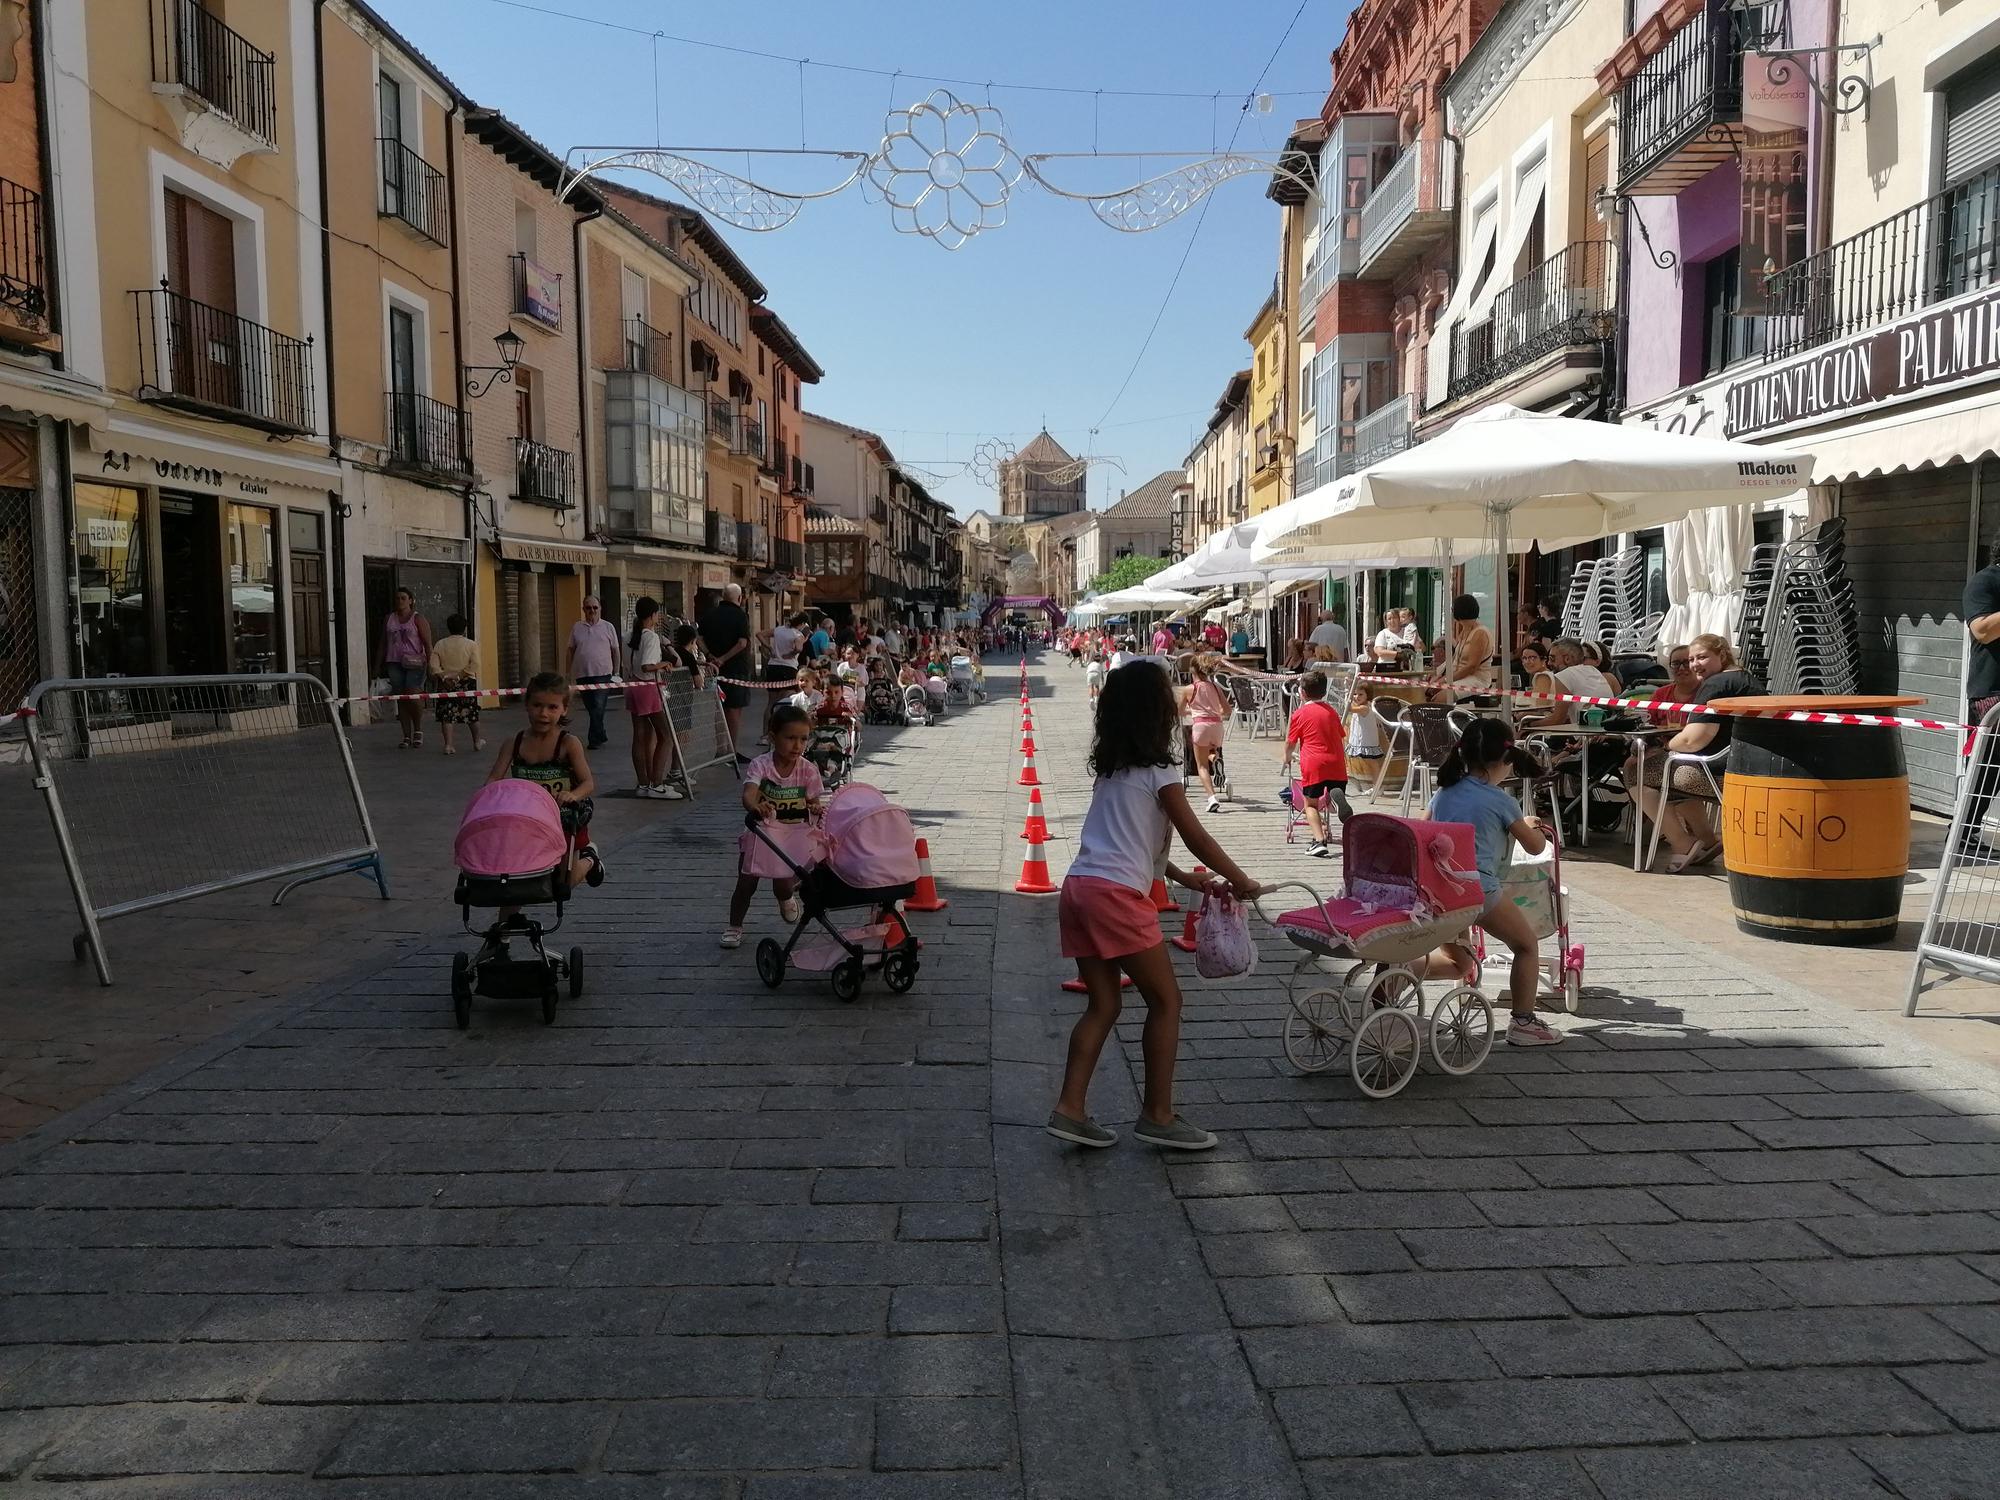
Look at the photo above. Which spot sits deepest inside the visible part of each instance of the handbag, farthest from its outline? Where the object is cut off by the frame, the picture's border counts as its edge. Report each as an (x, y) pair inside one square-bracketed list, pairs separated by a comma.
[(378, 711), (1223, 949)]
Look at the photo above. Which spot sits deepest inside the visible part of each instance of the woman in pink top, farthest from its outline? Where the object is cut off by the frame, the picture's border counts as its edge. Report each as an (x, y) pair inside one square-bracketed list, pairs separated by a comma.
[(1207, 708), (404, 659)]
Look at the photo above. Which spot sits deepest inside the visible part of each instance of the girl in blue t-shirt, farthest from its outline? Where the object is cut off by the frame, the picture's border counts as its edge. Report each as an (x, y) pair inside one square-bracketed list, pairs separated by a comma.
[(1469, 794)]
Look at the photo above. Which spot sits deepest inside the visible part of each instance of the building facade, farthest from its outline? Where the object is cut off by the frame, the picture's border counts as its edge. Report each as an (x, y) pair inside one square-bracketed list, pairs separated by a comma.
[(785, 466), (1218, 469), (1037, 482), (1270, 425)]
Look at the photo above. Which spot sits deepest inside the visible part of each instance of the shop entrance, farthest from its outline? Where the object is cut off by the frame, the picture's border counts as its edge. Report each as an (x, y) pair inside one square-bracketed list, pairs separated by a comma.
[(190, 584)]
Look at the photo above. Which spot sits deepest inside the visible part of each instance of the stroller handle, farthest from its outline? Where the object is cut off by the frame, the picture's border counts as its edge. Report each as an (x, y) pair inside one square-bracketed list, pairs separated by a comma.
[(1284, 885)]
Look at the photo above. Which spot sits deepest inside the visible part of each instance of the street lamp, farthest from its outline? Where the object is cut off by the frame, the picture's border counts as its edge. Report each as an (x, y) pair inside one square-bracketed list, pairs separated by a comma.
[(510, 344)]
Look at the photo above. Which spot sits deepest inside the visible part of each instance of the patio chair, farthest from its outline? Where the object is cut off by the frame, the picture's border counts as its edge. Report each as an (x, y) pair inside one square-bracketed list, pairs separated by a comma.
[(1433, 736), (1395, 731), (1243, 698), (1709, 765)]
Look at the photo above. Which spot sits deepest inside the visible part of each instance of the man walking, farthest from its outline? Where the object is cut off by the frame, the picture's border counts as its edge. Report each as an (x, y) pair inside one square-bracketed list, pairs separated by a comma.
[(593, 658), (1329, 632), (725, 634)]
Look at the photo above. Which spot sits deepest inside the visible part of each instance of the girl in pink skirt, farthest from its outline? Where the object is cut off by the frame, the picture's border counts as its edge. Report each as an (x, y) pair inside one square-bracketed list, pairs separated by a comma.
[(1108, 920), (784, 788)]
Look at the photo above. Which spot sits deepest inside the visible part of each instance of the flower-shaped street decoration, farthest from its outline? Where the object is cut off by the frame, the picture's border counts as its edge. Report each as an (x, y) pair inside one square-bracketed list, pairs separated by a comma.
[(946, 169)]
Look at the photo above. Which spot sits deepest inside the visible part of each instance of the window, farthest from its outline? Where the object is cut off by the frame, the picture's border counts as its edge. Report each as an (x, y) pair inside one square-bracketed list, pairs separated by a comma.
[(113, 584), (389, 99), (524, 402), (524, 229), (402, 351), (1725, 336)]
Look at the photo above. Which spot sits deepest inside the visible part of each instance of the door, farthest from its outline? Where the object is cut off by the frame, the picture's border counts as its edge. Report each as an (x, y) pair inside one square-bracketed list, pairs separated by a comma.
[(1970, 245), (632, 303), (389, 98), (309, 608), (546, 624), (191, 584), (1908, 548), (204, 340), (405, 437)]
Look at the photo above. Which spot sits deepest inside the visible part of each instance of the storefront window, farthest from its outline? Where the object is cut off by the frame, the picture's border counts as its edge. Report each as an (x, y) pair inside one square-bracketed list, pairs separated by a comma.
[(111, 581), (258, 645)]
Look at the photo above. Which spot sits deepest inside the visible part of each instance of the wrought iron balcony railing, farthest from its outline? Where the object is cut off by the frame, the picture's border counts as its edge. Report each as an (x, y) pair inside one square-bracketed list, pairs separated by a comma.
[(646, 350), (719, 533), (537, 291), (192, 48), (1384, 431), (1564, 302), (724, 418), (24, 273), (209, 360), (787, 555), (750, 437), (1410, 207), (1941, 248), (1676, 115), (426, 434), (414, 191), (753, 542), (544, 475)]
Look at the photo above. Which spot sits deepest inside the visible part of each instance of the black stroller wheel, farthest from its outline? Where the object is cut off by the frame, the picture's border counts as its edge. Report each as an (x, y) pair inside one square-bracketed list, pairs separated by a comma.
[(771, 963), (549, 999), (575, 968), (461, 990), (847, 980), (899, 972)]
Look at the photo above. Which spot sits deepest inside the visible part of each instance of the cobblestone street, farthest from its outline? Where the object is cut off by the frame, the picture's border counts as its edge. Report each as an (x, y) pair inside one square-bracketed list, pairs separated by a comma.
[(705, 1239)]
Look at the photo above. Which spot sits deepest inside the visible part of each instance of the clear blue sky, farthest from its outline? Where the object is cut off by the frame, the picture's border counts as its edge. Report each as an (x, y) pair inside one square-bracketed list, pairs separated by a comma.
[(1038, 319)]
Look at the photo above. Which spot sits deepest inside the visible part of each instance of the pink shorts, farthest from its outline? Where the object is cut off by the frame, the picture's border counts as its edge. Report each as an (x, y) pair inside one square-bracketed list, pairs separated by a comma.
[(642, 699), (1103, 919), (1206, 732)]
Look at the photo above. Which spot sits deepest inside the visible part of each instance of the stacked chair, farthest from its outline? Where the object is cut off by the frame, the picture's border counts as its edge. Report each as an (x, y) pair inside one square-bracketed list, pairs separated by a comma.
[(1798, 633), (1607, 603)]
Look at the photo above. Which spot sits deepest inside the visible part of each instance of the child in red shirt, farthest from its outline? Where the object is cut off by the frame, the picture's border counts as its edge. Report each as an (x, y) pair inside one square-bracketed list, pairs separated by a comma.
[(1321, 738)]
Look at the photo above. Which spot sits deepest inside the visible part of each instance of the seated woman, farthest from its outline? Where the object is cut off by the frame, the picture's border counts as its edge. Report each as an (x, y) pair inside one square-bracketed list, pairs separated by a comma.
[(1594, 655), (1679, 686), (1683, 819), (1389, 639), (1532, 672), (1295, 655), (1468, 657), (1573, 675)]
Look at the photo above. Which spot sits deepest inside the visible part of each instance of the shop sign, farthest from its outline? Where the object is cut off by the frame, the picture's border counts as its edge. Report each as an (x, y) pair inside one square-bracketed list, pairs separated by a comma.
[(527, 550), (433, 549), (171, 471), (1917, 356), (714, 576), (106, 533)]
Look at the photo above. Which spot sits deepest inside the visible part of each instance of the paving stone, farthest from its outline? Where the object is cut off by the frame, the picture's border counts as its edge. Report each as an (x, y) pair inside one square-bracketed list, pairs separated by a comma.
[(1979, 1324), (549, 1313), (1346, 1422), (642, 1369), (1935, 1468), (1909, 1234), (1911, 1280), (1573, 1206), (469, 1439), (752, 1223), (939, 1364), (1116, 1276), (1475, 1249), (1770, 1471), (1623, 1169), (1343, 1354), (1510, 1476), (1375, 1210), (767, 1310), (945, 1221), (1755, 1239), (1938, 1161), (1427, 1296), (1627, 1291), (1777, 1200), (903, 1185), (186, 1438), (940, 1309), (1488, 1416), (943, 1433), (958, 1486), (1796, 1404), (1294, 1252), (1246, 1215), (739, 1436), (1458, 1174), (339, 1315), (1968, 1394), (106, 1374), (1264, 1301), (24, 1434), (1610, 1346)]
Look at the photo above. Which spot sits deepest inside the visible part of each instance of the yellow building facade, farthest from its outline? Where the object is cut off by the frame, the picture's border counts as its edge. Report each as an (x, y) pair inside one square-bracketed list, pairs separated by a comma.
[(1270, 427)]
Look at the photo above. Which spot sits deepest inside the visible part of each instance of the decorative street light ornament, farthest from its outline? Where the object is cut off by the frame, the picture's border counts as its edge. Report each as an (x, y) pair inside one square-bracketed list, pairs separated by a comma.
[(987, 458), (945, 168)]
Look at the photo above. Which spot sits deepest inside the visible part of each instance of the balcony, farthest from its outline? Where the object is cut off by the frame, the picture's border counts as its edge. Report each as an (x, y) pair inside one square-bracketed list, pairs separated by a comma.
[(750, 433), (645, 350), (413, 191), (787, 555), (426, 436), (24, 271), (222, 91), (544, 475), (1942, 248), (719, 534), (800, 481), (1564, 304), (723, 421), (1410, 210), (753, 543), (537, 292), (878, 511), (1384, 431), (1680, 109), (209, 361)]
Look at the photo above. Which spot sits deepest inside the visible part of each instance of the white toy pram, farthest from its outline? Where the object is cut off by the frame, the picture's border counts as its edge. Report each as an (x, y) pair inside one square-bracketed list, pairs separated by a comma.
[(1534, 883), (835, 742), (511, 851), (1410, 885), (863, 856), (963, 685), (917, 704)]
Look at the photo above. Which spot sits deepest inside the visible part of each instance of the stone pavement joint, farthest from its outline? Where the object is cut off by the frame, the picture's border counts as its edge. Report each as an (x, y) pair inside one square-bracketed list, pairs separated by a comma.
[(704, 1239)]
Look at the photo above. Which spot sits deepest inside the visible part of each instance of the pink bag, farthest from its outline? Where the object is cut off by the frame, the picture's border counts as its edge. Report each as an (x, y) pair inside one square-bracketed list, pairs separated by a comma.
[(1223, 949)]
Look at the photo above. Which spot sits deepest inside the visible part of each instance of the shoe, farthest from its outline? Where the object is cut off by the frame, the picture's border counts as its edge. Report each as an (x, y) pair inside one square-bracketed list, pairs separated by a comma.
[(666, 791), (791, 909), (1320, 849), (1084, 1132), (594, 876), (1532, 1031), (1214, 805), (1706, 853), (1176, 1134), (1972, 846), (642, 790), (732, 937)]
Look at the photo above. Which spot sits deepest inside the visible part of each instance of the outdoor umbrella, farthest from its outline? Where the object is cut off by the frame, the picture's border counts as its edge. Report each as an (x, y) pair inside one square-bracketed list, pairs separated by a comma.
[(1510, 474), (1144, 597)]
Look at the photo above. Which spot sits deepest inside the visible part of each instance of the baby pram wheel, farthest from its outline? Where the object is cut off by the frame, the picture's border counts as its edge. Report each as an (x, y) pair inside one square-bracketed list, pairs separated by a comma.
[(1315, 1034), (461, 990), (899, 971), (574, 969), (1462, 1030), (1572, 990), (771, 963), (1392, 989), (1386, 1049), (847, 980)]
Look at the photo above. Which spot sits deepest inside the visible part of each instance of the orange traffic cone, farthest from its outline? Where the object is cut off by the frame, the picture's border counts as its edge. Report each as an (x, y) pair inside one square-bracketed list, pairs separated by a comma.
[(1034, 879), (1161, 900), (1186, 941), (1027, 741), (898, 932), (1029, 778), (1036, 829), (1078, 987), (927, 897)]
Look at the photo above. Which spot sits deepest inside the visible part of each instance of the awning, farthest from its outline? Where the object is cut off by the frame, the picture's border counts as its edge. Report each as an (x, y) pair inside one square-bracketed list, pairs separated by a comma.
[(1958, 432), (1206, 601), (1264, 598), (1230, 610), (535, 549), (654, 552), (29, 392), (128, 450)]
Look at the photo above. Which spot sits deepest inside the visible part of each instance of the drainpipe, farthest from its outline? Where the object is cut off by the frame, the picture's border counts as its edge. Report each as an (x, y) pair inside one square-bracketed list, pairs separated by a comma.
[(582, 361), (336, 506), (471, 487)]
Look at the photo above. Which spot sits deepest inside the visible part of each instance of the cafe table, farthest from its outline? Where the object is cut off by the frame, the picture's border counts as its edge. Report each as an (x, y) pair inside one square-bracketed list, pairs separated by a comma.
[(1636, 741)]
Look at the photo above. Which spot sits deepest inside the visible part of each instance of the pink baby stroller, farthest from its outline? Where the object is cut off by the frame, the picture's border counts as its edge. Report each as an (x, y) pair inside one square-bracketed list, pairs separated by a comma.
[(862, 855), (1410, 886), (511, 851)]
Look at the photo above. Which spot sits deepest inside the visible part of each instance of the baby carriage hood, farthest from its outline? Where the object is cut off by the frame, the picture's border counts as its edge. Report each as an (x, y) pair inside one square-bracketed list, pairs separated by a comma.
[(510, 828), (870, 842), (1413, 859)]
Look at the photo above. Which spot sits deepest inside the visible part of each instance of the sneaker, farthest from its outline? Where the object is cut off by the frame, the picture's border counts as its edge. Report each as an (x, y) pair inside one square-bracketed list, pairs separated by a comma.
[(1214, 805), (791, 909), (594, 876), (645, 791), (1176, 1134), (1084, 1132), (1532, 1031), (732, 937), (1320, 849), (666, 791)]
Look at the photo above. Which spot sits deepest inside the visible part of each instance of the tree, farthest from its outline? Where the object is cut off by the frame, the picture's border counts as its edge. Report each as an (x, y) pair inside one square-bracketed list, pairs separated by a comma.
[(1126, 572)]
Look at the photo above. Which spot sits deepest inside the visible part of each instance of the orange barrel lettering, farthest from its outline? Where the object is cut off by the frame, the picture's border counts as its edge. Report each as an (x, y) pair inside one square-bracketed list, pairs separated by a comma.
[(1816, 831)]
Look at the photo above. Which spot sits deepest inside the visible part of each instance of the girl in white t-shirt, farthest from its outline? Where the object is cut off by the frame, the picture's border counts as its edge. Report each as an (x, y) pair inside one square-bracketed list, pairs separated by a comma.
[(1108, 920)]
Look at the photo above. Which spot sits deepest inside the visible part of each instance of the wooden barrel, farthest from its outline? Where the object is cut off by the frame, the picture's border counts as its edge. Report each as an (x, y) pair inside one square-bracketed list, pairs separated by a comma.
[(1816, 826)]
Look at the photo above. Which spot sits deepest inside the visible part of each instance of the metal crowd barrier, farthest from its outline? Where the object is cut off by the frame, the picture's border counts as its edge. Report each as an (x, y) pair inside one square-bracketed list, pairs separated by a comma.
[(700, 733), (1961, 936), (165, 788)]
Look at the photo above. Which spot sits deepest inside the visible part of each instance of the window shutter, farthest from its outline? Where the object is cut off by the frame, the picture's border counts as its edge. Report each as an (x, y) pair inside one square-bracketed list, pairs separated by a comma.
[(1972, 121)]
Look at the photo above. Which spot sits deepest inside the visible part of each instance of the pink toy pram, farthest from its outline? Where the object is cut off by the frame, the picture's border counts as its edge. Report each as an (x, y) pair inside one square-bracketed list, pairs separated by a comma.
[(511, 851), (1410, 886), (861, 854)]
